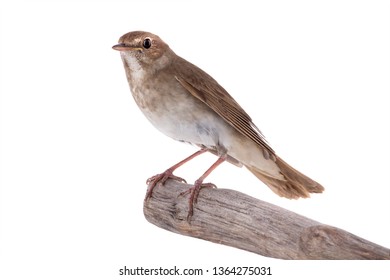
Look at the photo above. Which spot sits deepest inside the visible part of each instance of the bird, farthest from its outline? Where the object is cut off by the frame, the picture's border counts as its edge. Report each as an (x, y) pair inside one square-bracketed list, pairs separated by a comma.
[(185, 103)]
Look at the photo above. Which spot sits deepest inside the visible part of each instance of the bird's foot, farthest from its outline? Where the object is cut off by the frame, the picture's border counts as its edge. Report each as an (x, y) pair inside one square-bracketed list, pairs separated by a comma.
[(160, 179), (194, 193)]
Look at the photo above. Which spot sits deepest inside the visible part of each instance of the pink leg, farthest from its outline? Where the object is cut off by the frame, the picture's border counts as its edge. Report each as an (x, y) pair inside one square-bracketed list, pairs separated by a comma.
[(194, 191), (168, 174)]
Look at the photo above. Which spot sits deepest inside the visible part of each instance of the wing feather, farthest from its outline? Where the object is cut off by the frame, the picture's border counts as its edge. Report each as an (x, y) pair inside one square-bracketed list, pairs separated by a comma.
[(220, 101)]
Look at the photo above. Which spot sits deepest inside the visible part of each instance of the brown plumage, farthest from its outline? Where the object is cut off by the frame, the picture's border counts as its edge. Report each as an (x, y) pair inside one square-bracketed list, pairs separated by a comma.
[(294, 184), (187, 104)]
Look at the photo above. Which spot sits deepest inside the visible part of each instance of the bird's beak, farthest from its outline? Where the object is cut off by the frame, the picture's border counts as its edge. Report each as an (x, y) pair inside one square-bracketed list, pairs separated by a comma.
[(124, 47)]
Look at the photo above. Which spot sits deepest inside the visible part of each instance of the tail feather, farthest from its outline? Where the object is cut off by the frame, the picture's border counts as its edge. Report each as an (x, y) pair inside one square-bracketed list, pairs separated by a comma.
[(293, 185)]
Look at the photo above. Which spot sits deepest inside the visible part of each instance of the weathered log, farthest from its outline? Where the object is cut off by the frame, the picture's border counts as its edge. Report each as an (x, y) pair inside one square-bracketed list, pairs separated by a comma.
[(235, 219)]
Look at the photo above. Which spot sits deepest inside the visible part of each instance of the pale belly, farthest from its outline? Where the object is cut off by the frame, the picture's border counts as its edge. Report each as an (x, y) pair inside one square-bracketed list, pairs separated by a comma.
[(195, 123), (192, 122)]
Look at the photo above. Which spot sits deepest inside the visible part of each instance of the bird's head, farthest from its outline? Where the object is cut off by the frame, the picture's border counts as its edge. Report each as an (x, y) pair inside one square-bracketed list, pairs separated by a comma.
[(146, 48)]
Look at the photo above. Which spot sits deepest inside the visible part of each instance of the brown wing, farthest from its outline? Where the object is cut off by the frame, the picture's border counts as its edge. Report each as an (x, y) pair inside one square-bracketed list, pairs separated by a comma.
[(206, 89)]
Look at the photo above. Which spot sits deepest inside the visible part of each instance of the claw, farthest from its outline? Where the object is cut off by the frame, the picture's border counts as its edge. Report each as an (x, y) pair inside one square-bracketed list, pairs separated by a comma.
[(194, 193), (160, 179)]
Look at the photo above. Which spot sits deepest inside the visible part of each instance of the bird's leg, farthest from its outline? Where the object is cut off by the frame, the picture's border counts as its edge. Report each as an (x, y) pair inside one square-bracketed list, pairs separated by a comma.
[(194, 191), (168, 174)]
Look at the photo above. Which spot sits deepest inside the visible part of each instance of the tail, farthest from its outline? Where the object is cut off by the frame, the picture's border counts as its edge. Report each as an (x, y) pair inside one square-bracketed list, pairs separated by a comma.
[(293, 185)]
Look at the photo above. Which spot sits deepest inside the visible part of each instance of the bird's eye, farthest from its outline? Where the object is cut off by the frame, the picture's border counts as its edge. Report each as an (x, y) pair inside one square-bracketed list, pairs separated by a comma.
[(147, 43)]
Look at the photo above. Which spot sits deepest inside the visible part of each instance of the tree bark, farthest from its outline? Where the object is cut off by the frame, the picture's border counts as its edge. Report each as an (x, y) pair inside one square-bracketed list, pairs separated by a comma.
[(235, 219)]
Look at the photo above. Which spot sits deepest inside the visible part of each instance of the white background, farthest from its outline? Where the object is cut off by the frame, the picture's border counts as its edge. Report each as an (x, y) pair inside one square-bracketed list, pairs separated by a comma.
[(76, 151)]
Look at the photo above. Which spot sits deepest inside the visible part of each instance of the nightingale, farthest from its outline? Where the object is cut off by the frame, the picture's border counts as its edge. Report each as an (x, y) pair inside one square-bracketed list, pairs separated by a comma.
[(188, 105)]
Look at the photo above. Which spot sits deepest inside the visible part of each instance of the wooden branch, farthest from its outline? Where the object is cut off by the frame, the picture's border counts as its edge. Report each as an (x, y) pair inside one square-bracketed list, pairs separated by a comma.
[(238, 220)]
